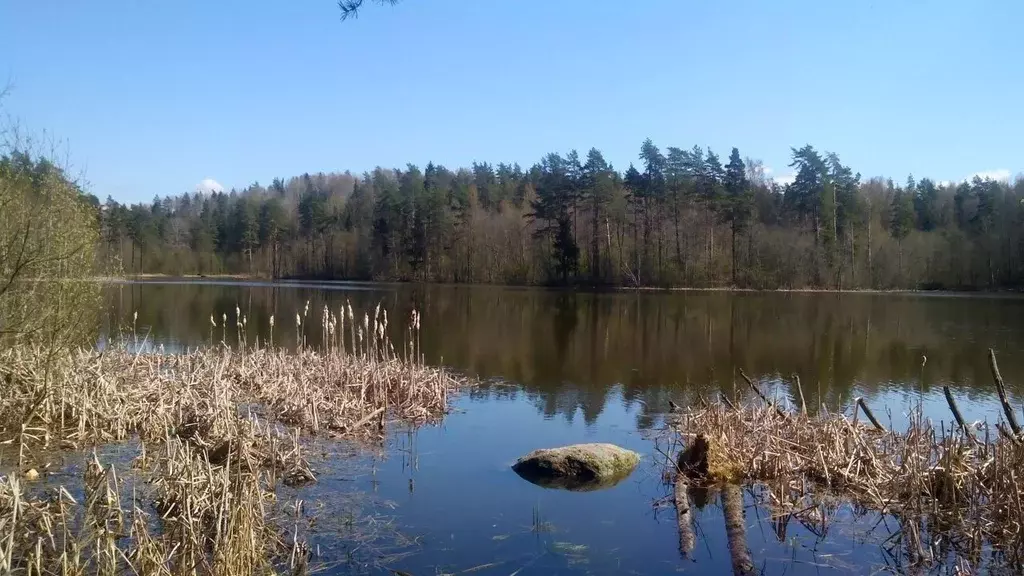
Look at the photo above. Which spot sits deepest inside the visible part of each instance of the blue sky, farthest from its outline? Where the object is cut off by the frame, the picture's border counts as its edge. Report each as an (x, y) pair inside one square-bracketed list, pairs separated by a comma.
[(154, 97)]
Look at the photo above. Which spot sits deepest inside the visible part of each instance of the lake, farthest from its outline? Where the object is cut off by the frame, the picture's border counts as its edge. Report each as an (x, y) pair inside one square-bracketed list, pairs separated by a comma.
[(561, 367)]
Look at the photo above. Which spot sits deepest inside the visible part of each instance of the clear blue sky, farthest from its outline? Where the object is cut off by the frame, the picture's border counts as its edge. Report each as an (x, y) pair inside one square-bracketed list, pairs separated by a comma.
[(153, 97)]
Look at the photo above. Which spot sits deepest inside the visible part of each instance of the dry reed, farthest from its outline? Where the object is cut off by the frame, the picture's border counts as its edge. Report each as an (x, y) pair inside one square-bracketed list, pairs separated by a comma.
[(218, 429), (956, 499)]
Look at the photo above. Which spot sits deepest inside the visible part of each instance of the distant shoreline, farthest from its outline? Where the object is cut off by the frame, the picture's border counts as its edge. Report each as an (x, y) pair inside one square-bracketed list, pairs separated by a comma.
[(244, 278)]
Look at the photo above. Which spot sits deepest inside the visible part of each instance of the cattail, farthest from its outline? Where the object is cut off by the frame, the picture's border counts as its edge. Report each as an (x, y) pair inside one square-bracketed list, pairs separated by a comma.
[(306, 311), (224, 318), (271, 320), (135, 316), (351, 316), (244, 320), (298, 320), (214, 322), (238, 311)]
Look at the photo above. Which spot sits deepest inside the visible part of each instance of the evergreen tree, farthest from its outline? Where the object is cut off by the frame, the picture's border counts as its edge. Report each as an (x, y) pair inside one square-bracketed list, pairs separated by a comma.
[(651, 194), (926, 205), (598, 186), (635, 196), (553, 211), (738, 202), (902, 221), (711, 192)]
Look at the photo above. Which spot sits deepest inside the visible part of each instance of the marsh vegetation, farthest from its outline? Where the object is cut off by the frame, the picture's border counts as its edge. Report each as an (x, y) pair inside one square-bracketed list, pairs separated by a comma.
[(942, 495), (215, 431)]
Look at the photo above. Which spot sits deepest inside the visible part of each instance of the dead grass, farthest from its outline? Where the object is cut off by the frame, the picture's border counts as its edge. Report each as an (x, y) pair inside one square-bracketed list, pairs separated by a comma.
[(955, 499), (218, 430)]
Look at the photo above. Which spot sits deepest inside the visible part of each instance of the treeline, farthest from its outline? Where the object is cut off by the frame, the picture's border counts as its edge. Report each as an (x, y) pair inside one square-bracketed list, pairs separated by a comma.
[(682, 217)]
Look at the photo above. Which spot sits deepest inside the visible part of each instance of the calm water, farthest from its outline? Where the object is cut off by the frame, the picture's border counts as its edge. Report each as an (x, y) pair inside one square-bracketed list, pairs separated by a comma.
[(562, 367)]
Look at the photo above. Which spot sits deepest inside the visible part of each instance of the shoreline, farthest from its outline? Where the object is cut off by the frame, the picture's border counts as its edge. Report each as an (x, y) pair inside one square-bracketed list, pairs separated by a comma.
[(585, 289)]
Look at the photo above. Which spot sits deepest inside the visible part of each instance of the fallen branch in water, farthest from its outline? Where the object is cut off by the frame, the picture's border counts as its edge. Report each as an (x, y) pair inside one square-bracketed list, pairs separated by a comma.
[(757, 391), (956, 415), (860, 403), (1011, 418)]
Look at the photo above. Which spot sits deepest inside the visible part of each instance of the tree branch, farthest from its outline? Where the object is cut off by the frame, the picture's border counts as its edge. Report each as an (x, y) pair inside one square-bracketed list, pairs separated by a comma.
[(350, 8)]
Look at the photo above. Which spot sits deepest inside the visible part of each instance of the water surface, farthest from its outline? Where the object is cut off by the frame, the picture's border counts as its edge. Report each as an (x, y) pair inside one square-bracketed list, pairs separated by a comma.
[(563, 367)]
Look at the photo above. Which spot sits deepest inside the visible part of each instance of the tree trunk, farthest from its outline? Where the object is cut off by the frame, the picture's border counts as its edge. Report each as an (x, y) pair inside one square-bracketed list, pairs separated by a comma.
[(853, 261), (899, 265), (679, 248), (750, 251), (817, 249), (734, 254), (595, 247), (661, 269), (711, 248), (636, 244), (871, 275)]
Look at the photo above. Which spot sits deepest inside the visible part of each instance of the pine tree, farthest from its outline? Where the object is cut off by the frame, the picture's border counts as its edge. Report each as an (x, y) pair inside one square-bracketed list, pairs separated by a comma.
[(738, 202), (652, 197), (902, 218), (598, 183), (711, 193), (553, 212), (634, 184)]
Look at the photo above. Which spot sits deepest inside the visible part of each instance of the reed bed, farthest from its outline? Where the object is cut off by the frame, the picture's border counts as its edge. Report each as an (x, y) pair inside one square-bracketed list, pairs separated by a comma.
[(217, 430), (949, 495)]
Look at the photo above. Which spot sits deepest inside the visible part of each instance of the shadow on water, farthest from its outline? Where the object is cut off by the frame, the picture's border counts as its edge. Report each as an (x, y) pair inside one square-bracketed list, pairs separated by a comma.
[(562, 368)]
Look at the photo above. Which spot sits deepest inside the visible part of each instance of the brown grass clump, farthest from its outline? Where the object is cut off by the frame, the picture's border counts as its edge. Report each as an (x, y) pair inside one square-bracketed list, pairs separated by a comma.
[(218, 430), (954, 496)]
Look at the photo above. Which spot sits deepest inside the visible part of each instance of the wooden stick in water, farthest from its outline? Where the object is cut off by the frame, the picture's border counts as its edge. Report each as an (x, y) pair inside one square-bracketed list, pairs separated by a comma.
[(800, 389), (367, 419), (867, 412), (1001, 390), (956, 414), (1006, 433), (728, 403), (761, 394)]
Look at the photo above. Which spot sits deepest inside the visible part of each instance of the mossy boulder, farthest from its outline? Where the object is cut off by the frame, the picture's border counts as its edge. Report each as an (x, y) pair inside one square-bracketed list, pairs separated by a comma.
[(580, 467)]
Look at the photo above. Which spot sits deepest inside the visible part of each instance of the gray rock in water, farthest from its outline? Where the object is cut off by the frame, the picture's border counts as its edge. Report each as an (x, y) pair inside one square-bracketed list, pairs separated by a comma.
[(580, 467)]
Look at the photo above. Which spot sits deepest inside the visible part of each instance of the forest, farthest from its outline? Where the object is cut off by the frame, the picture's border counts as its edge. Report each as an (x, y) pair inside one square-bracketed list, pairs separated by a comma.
[(676, 218)]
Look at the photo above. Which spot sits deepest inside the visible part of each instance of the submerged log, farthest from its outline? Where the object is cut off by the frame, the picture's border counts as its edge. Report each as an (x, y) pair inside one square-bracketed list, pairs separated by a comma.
[(736, 530)]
